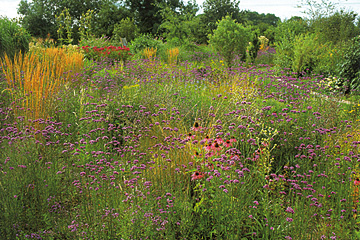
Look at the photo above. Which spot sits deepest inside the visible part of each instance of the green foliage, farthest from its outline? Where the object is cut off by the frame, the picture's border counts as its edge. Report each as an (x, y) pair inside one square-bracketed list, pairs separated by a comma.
[(176, 26), (306, 52), (126, 29), (253, 47), (336, 28), (85, 29), (64, 23), (265, 23), (215, 10), (145, 15), (317, 9), (230, 38), (321, 51), (285, 35), (288, 29), (254, 18), (109, 15), (198, 29), (330, 58), (38, 16), (144, 41), (269, 33), (350, 68), (13, 38), (98, 42), (148, 13)]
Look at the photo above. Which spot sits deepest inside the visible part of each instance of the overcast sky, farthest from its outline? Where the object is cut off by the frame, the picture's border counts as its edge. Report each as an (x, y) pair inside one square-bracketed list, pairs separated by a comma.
[(281, 8)]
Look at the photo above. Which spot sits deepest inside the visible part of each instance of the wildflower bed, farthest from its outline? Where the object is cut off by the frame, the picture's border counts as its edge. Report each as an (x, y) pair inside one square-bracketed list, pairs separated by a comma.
[(148, 150)]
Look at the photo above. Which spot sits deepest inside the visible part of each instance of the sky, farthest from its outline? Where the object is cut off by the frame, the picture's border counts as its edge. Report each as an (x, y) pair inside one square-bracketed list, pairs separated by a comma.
[(284, 9)]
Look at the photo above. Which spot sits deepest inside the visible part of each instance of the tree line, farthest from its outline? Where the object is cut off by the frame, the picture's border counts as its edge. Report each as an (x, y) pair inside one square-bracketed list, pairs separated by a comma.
[(167, 18)]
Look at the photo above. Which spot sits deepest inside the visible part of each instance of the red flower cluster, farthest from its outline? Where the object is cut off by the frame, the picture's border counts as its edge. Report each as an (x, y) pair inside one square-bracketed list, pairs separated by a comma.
[(110, 52)]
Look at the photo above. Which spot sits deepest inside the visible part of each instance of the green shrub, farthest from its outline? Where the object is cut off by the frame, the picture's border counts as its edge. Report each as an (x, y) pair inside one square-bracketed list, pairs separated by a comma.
[(329, 59), (306, 51), (144, 41), (126, 29), (284, 53), (253, 47), (285, 35), (350, 67), (229, 39), (338, 27), (99, 42), (13, 38), (288, 29)]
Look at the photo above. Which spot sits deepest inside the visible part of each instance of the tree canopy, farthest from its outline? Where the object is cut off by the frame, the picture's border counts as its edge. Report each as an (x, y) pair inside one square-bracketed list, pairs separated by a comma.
[(216, 10), (168, 18), (38, 16)]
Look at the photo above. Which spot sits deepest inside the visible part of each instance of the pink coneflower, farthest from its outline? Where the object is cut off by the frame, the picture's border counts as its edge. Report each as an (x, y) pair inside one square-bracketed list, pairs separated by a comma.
[(210, 154), (219, 140), (208, 147), (196, 127), (232, 139), (357, 182), (227, 143), (197, 175), (356, 190), (207, 139), (216, 147), (190, 136)]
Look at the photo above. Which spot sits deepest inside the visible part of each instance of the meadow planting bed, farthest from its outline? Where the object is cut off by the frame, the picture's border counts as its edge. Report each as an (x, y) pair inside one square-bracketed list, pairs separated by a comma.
[(153, 150)]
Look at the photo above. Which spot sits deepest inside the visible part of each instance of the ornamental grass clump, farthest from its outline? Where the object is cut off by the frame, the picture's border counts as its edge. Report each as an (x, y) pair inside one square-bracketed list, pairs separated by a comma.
[(35, 78)]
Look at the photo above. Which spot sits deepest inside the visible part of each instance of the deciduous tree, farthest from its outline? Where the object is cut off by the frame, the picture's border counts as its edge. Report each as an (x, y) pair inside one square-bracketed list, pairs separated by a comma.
[(215, 10), (38, 16)]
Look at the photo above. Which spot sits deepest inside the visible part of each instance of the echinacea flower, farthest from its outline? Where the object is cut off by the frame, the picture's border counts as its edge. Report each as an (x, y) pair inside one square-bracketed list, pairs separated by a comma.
[(190, 136), (208, 147), (219, 140), (356, 190), (207, 139), (227, 143), (197, 175), (357, 182), (232, 139), (196, 127), (216, 147)]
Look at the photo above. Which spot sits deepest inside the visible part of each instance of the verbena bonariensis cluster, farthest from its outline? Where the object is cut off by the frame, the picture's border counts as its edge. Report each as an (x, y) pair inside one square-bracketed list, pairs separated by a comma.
[(187, 151)]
